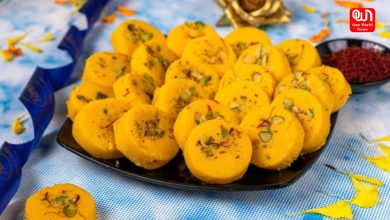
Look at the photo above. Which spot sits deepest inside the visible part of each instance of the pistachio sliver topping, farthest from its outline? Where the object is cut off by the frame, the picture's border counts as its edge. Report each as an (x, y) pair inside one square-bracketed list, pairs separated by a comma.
[(256, 77), (288, 103), (265, 136), (276, 119)]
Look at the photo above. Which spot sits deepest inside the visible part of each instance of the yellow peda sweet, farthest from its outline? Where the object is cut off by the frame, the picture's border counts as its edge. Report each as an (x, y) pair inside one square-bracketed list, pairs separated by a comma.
[(309, 82), (218, 152), (145, 136), (160, 48), (143, 81), (104, 68), (300, 54), (203, 75), (242, 97), (337, 82), (153, 59), (266, 56), (210, 51), (259, 75), (311, 113), (244, 37), (125, 90), (174, 95), (229, 77), (84, 94), (179, 36), (277, 137), (133, 33), (197, 113), (60, 202), (93, 127), (253, 73)]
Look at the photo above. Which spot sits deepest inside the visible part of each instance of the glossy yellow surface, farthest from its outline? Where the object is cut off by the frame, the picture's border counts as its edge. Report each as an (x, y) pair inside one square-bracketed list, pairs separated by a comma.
[(244, 37), (210, 51), (133, 33), (242, 97), (311, 113), (203, 75), (277, 137), (60, 202), (308, 82), (84, 94), (301, 54), (174, 95), (104, 68), (126, 91), (198, 112), (93, 127), (337, 82), (145, 136), (179, 36), (217, 152)]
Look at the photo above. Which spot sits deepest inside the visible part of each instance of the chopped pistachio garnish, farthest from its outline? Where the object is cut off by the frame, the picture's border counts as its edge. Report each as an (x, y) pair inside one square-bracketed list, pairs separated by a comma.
[(276, 119), (224, 132), (292, 58), (265, 136), (243, 98), (164, 63), (152, 128), (131, 27), (100, 95), (288, 104), (239, 47), (186, 95), (310, 113), (303, 87), (83, 98), (67, 205), (102, 63), (235, 106), (295, 109), (210, 147), (256, 77), (140, 35), (204, 80), (147, 77), (196, 29), (208, 116)]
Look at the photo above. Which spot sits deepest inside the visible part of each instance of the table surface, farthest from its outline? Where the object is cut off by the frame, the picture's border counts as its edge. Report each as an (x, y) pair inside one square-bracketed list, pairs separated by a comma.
[(119, 197)]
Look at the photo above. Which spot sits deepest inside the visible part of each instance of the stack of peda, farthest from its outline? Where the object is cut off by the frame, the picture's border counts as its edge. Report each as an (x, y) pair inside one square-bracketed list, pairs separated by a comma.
[(225, 103)]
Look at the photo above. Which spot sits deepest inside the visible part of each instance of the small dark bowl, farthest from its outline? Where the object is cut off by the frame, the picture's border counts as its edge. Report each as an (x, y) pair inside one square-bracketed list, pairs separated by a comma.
[(327, 47)]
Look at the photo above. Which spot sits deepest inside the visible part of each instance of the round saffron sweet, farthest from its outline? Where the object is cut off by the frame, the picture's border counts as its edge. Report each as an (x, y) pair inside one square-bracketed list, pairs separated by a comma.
[(360, 65)]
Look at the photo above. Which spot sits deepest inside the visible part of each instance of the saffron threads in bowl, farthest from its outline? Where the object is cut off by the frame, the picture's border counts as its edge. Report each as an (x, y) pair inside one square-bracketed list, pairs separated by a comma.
[(360, 65)]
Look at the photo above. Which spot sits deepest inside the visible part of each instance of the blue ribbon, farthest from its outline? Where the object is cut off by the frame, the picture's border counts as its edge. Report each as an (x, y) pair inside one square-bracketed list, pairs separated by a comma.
[(38, 99)]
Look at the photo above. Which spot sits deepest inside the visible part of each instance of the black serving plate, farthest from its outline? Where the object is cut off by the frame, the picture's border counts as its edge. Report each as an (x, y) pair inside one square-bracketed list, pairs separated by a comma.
[(327, 47), (175, 174)]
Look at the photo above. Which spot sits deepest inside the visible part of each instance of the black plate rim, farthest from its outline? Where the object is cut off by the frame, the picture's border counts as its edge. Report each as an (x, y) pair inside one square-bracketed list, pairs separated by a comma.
[(201, 187)]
